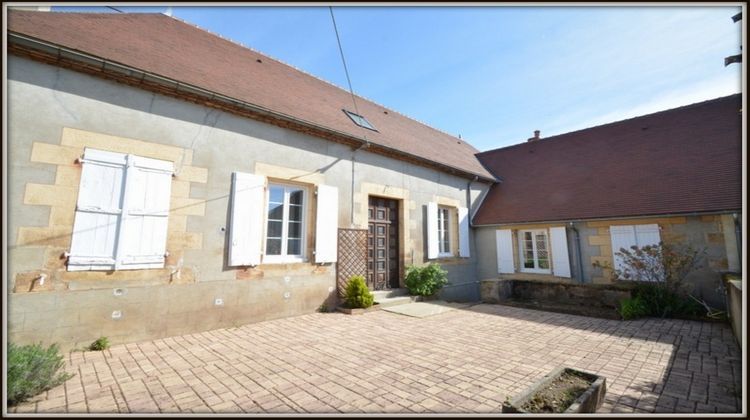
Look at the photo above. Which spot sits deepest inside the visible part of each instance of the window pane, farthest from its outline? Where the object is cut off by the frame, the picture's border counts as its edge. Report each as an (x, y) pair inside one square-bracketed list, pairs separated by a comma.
[(527, 236), (295, 213), (528, 263), (544, 264), (295, 230), (295, 197), (274, 229), (276, 194), (273, 246), (293, 247), (275, 211), (541, 242)]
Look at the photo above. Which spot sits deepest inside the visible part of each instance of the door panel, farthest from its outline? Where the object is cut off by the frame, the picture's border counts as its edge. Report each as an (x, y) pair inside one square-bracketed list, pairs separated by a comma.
[(382, 244)]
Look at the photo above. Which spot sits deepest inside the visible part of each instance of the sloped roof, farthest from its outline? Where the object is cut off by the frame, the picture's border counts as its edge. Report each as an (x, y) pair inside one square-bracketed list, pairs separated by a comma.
[(683, 160), (176, 50)]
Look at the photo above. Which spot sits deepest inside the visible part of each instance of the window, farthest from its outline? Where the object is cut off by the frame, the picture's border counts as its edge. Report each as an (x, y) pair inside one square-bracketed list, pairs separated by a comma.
[(121, 214), (444, 236), (631, 235), (360, 120), (534, 251), (285, 228)]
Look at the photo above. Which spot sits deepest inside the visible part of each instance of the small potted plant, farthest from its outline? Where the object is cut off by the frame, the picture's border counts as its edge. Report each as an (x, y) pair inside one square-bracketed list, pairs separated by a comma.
[(357, 297)]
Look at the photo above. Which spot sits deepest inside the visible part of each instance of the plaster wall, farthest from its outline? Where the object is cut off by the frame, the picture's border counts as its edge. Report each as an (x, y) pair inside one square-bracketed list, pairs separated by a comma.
[(53, 113)]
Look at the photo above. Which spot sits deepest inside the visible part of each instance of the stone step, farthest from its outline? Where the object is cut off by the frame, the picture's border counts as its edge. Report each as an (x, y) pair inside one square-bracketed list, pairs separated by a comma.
[(391, 293), (394, 301)]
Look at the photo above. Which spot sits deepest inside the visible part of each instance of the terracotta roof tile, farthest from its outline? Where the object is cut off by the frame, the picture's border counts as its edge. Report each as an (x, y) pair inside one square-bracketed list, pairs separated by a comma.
[(171, 48), (682, 160)]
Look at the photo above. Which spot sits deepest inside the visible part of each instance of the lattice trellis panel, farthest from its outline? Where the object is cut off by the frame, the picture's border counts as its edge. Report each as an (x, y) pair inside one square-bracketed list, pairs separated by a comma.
[(352, 258)]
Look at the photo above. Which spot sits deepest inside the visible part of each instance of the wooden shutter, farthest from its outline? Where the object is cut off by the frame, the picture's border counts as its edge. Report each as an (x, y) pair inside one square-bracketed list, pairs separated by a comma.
[(98, 211), (326, 224), (432, 230), (463, 232), (504, 240), (622, 237), (143, 236), (560, 257), (247, 211), (647, 235)]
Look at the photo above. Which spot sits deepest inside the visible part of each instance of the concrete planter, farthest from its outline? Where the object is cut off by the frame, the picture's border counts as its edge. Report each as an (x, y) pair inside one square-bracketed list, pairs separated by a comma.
[(588, 402), (358, 311), (428, 298)]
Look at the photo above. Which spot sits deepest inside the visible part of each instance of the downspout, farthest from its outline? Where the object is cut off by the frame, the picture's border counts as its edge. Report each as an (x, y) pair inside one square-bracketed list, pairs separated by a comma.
[(578, 252), (468, 195), (738, 237)]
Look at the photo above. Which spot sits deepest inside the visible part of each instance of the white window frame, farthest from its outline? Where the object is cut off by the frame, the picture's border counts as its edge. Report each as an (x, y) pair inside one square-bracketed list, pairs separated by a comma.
[(444, 218), (521, 256), (283, 257)]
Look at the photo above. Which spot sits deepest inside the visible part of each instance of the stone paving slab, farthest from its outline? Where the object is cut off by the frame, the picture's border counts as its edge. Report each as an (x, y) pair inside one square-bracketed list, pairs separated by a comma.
[(463, 361), (424, 309)]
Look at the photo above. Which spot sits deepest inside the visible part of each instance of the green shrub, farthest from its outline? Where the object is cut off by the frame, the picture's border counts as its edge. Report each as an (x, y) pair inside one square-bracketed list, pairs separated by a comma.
[(632, 308), (425, 281), (101, 343), (33, 369), (659, 272), (653, 299), (357, 294)]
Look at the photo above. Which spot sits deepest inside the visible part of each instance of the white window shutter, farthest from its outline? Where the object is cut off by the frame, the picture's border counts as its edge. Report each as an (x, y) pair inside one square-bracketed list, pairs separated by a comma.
[(622, 237), (432, 230), (560, 257), (247, 210), (98, 211), (463, 232), (143, 237), (326, 224), (504, 240), (647, 235)]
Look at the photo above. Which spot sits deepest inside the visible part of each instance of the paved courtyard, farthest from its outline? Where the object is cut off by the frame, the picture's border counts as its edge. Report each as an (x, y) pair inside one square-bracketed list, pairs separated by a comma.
[(464, 361)]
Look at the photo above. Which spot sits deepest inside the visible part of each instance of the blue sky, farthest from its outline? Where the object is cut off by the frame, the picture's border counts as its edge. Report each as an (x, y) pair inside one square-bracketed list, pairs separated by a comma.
[(496, 74)]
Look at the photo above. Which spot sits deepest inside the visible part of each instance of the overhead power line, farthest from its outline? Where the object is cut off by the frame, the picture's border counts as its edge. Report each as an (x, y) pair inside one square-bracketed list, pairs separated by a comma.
[(343, 60)]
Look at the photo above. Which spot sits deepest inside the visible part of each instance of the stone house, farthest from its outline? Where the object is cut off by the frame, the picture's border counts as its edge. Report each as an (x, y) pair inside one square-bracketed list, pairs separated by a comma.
[(171, 181), (568, 201)]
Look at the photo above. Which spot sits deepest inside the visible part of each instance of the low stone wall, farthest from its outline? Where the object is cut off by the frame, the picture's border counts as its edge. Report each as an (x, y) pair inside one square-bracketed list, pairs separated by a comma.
[(734, 290), (600, 300)]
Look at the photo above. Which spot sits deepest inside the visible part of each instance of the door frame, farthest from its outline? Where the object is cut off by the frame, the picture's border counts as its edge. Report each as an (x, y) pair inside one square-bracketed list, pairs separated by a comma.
[(402, 227)]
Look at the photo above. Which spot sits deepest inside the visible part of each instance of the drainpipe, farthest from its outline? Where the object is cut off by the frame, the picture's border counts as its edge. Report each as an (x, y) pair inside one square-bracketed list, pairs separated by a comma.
[(738, 237), (578, 252), (468, 195)]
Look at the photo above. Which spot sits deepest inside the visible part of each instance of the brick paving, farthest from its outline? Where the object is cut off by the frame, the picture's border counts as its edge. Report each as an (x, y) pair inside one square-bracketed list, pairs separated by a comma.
[(463, 361)]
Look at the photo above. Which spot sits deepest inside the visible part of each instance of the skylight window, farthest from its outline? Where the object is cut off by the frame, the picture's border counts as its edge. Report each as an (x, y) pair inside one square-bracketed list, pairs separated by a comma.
[(359, 120)]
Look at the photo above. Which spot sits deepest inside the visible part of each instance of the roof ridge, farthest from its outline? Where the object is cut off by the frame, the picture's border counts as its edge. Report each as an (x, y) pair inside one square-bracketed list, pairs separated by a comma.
[(313, 76), (681, 107)]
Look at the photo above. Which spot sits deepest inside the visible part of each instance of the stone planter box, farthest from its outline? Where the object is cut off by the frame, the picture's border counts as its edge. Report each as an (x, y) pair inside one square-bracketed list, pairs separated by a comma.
[(358, 311), (429, 298), (588, 402)]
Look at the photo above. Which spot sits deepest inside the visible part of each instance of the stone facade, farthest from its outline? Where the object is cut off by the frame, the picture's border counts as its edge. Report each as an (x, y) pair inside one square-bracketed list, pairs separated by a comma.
[(54, 113), (713, 233)]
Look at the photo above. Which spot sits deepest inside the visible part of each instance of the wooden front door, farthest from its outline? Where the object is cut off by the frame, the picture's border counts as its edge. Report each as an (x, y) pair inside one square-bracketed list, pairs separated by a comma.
[(382, 244)]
